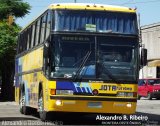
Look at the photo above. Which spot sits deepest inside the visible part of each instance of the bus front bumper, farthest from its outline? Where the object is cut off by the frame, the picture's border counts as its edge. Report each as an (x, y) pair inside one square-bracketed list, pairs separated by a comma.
[(92, 104)]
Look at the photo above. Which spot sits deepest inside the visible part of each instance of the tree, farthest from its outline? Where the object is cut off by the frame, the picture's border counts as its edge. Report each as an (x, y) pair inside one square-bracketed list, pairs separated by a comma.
[(7, 53), (8, 42), (18, 8)]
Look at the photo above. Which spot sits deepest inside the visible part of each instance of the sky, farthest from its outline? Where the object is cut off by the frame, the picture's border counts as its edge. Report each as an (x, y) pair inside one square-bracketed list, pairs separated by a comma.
[(149, 10)]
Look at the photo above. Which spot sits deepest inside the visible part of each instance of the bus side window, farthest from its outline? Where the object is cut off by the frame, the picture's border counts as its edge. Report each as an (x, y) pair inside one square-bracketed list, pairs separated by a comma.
[(19, 44), (29, 33), (33, 35), (43, 25), (23, 41), (48, 24), (40, 30), (37, 32)]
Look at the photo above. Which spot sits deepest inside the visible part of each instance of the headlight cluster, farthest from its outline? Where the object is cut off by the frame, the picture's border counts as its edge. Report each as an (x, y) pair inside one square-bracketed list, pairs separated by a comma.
[(126, 94)]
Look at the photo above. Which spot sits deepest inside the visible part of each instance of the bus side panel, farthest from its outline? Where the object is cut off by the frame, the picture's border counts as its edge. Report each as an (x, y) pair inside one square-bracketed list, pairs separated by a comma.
[(29, 70), (33, 81), (33, 60), (18, 78)]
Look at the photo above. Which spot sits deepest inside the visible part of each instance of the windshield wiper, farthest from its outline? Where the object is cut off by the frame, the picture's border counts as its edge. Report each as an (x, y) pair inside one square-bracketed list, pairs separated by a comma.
[(81, 65), (109, 74), (79, 60)]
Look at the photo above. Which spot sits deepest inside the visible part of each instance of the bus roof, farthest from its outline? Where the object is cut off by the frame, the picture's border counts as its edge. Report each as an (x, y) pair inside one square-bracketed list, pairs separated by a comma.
[(85, 6)]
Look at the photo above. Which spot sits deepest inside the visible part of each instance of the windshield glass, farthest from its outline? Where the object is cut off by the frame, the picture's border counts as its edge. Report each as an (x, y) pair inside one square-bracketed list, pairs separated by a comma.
[(100, 58), (118, 58), (97, 21), (154, 81), (70, 55)]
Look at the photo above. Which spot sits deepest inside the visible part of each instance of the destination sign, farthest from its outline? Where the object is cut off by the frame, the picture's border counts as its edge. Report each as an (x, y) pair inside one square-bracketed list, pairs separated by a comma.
[(75, 38)]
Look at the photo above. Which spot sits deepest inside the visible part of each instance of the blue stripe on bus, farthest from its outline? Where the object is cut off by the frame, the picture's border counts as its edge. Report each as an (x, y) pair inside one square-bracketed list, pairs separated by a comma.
[(83, 90), (78, 89), (87, 87), (89, 90), (65, 86), (75, 86)]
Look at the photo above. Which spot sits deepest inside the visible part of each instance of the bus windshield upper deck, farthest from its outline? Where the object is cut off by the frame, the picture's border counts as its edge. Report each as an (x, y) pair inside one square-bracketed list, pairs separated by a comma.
[(98, 21)]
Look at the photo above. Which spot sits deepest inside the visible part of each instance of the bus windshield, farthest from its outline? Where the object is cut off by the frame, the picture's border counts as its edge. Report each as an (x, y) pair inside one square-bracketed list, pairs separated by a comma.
[(95, 21), (118, 56)]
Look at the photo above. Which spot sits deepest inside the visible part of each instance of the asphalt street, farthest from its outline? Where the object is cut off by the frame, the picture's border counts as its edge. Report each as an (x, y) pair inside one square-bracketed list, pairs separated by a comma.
[(148, 112)]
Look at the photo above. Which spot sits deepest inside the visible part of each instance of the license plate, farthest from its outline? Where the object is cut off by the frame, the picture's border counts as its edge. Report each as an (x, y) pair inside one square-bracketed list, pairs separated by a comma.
[(94, 104)]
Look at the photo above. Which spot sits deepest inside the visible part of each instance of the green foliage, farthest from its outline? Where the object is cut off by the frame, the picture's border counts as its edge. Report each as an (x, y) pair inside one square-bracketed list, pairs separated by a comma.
[(8, 42), (8, 33), (8, 38), (18, 8)]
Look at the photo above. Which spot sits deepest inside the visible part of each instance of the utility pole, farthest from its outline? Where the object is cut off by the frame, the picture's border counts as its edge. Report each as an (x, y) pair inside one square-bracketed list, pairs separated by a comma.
[(75, 1)]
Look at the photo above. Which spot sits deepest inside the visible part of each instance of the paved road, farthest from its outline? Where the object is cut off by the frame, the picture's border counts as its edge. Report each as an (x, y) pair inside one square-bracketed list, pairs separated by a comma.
[(147, 110)]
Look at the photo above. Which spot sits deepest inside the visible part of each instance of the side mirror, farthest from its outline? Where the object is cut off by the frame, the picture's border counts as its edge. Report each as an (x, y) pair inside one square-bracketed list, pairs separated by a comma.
[(143, 57)]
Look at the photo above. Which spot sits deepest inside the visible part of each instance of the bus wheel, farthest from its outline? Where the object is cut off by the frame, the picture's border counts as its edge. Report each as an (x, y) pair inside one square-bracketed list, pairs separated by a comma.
[(149, 96), (23, 108), (42, 113), (21, 103)]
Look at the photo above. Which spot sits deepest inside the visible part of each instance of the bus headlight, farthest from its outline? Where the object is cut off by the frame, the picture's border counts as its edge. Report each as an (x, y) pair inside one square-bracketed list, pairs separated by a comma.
[(126, 94), (58, 102), (129, 105), (64, 92)]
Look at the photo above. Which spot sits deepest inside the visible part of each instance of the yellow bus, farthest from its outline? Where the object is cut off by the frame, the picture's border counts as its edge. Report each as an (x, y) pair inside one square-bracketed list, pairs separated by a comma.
[(79, 58)]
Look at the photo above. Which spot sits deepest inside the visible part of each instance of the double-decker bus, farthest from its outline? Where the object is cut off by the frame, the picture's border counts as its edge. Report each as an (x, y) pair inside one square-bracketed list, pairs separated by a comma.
[(79, 58)]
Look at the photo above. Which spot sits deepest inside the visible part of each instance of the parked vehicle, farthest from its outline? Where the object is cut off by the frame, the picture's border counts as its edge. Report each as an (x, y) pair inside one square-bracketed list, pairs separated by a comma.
[(149, 88)]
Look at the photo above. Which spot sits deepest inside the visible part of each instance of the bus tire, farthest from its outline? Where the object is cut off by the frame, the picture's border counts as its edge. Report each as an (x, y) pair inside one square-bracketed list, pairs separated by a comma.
[(42, 113), (23, 108), (21, 104), (149, 96)]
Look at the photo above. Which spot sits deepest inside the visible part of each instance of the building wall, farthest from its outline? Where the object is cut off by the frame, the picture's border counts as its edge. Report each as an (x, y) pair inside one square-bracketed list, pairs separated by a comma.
[(148, 72), (151, 39)]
